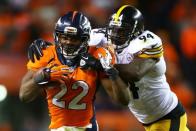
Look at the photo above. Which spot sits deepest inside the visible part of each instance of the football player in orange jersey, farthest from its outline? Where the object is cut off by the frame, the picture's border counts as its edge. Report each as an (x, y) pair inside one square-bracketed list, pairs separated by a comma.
[(142, 65), (69, 80)]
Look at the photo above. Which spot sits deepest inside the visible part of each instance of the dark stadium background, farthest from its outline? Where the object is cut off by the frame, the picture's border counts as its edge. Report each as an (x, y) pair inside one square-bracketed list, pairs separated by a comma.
[(22, 21)]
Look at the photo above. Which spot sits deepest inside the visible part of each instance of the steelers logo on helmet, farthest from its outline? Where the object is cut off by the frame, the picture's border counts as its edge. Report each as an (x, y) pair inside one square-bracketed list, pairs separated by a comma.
[(115, 22), (125, 25), (72, 32)]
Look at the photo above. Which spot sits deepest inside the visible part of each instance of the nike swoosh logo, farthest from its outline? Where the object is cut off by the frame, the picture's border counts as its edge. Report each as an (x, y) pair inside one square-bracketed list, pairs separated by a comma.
[(86, 58)]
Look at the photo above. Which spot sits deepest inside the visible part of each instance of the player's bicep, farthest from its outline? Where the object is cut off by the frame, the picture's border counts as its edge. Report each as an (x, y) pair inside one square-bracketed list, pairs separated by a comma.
[(135, 70), (28, 76), (27, 89)]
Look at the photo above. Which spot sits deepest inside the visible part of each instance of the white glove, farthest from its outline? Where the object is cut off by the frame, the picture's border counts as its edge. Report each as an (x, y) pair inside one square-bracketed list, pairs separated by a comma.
[(106, 61)]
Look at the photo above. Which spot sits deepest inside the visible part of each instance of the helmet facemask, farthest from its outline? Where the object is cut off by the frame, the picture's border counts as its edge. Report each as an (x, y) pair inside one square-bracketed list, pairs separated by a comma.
[(70, 51), (72, 32), (120, 36), (124, 26)]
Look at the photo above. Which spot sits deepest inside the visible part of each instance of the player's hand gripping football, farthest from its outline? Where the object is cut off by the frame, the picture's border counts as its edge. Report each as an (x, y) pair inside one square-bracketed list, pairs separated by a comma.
[(35, 49), (106, 62), (53, 73)]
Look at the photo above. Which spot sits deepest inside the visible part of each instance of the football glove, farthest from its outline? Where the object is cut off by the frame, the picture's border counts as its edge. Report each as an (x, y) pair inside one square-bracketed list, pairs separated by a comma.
[(106, 62), (54, 73), (35, 49), (88, 61), (59, 72)]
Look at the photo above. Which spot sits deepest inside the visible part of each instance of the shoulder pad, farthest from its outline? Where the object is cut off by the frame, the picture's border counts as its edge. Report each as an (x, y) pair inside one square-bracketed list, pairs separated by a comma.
[(97, 37), (147, 45)]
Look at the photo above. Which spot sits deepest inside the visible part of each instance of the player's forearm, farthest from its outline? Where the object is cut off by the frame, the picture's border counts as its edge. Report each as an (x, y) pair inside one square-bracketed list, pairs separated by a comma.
[(29, 90), (121, 91), (135, 70)]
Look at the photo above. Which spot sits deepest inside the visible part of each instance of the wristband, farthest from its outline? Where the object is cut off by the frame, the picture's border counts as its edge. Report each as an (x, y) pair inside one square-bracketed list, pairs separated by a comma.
[(42, 77)]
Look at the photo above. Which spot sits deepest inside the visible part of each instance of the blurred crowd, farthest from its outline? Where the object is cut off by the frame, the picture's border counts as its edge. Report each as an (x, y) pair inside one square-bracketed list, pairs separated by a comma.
[(22, 21)]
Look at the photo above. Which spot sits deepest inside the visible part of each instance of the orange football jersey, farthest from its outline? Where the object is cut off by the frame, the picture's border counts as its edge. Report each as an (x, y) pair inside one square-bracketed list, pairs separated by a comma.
[(70, 103)]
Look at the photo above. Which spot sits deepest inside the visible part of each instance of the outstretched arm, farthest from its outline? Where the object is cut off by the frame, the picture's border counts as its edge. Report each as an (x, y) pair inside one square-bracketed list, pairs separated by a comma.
[(114, 85)]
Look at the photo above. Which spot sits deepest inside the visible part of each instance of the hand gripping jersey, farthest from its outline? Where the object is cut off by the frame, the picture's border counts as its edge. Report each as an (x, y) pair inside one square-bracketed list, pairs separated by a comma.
[(70, 103), (155, 97)]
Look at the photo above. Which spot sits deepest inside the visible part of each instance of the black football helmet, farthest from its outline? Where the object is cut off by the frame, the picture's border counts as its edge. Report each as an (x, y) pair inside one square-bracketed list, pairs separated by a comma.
[(124, 25), (74, 25)]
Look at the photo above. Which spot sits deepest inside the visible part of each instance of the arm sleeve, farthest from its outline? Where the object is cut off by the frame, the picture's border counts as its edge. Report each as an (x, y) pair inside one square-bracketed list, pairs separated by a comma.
[(154, 52)]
